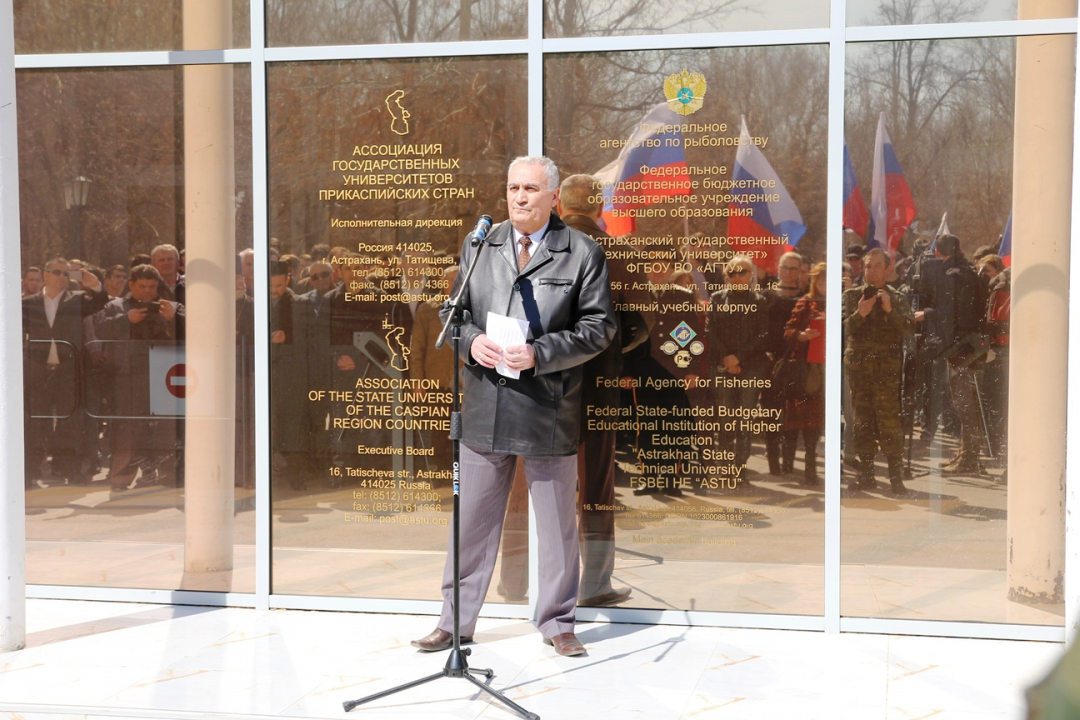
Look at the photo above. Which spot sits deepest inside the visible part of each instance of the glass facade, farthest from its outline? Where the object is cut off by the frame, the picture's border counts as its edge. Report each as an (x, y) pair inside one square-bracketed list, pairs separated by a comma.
[(112, 292), (872, 12), (841, 294), (377, 168), (591, 18), (354, 22), (708, 513), (73, 26)]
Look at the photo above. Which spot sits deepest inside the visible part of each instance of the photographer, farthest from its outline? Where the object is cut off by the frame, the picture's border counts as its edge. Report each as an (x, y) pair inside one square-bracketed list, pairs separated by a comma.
[(134, 323), (877, 319)]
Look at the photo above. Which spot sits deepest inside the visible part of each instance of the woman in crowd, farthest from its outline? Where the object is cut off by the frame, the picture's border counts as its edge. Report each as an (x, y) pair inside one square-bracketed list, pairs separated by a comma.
[(804, 407)]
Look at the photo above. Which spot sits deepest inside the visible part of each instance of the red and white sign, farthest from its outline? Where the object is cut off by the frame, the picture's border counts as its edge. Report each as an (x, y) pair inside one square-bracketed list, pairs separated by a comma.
[(180, 384)]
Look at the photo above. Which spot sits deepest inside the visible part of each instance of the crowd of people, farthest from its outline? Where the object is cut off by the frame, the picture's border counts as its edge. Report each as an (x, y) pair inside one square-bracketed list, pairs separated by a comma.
[(926, 343)]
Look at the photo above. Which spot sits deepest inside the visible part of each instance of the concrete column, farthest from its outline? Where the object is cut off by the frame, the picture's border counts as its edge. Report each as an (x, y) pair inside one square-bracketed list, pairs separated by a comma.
[(1042, 196), (209, 192), (12, 495)]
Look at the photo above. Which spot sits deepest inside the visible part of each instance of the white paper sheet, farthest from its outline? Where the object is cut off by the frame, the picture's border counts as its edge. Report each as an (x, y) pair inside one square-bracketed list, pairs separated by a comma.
[(507, 332)]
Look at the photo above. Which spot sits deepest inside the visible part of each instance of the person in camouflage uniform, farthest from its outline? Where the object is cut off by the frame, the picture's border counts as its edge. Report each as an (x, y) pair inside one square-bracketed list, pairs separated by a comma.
[(877, 319)]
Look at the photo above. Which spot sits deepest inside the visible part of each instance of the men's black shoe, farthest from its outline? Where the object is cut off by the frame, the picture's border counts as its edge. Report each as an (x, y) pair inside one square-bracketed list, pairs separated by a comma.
[(611, 597), (651, 490)]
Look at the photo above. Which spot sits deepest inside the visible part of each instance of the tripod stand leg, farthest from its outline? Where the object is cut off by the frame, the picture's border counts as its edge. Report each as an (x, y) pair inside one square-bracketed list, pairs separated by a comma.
[(353, 703), (503, 699), (489, 674)]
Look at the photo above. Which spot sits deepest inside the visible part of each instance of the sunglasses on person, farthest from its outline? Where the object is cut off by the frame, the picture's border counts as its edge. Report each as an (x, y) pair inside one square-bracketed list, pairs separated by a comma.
[(56, 271), (321, 275)]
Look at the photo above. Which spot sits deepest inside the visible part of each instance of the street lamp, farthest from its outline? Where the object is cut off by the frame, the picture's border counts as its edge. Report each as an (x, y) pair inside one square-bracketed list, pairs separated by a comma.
[(76, 191)]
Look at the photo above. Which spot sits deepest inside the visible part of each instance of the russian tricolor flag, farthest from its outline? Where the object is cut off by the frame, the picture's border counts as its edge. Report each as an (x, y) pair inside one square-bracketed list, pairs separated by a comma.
[(655, 143), (773, 226), (855, 215), (1005, 248), (891, 206)]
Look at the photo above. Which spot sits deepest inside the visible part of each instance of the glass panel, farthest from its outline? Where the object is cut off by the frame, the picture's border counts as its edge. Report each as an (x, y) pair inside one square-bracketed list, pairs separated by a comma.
[(116, 390), (586, 18), (918, 12), (74, 26), (972, 142), (377, 171), (355, 22), (715, 380)]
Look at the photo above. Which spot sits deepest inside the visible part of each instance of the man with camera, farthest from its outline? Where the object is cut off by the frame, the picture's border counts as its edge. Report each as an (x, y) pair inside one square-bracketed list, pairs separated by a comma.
[(876, 321), (134, 324), (55, 333)]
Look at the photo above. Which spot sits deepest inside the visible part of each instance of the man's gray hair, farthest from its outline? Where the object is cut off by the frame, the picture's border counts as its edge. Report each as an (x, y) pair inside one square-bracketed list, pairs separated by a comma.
[(165, 248), (550, 169)]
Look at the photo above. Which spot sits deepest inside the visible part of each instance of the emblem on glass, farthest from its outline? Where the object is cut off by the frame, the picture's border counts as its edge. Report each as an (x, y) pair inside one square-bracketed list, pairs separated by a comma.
[(400, 116), (685, 92), (683, 334)]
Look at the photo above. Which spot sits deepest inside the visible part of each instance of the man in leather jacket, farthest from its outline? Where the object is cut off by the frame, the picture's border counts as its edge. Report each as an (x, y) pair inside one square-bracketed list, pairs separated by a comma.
[(555, 279)]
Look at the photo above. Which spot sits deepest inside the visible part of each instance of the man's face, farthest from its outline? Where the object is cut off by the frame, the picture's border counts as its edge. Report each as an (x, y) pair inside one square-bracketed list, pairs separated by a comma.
[(989, 271), (144, 289), (875, 270), (166, 263), (32, 282), (856, 265), (741, 276), (322, 277), (788, 272), (56, 277), (278, 285), (247, 265), (115, 282), (527, 198)]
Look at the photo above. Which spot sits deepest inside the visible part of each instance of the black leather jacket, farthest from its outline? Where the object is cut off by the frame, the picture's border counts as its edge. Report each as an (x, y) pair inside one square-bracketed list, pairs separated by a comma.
[(565, 297)]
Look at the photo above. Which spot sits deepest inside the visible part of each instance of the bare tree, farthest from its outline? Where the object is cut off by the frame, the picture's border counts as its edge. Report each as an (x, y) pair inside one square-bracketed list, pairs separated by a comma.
[(949, 109)]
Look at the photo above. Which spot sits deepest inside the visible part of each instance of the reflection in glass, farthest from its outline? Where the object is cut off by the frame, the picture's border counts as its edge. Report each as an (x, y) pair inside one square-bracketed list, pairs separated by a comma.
[(111, 491), (919, 12), (354, 22), (377, 171), (69, 26), (587, 18), (927, 378), (715, 379)]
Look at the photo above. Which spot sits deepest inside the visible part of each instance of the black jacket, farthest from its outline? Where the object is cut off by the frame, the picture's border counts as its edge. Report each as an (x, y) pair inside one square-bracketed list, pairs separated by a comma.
[(565, 297)]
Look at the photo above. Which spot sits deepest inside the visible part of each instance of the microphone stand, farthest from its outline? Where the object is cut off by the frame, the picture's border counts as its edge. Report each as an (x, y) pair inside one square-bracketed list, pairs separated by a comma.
[(456, 665)]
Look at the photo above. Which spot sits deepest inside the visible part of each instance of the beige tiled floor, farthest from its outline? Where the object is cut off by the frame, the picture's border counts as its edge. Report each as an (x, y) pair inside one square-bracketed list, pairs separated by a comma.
[(90, 659)]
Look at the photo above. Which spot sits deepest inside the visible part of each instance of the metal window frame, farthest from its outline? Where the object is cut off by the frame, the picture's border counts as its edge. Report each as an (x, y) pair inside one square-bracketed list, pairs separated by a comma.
[(536, 48)]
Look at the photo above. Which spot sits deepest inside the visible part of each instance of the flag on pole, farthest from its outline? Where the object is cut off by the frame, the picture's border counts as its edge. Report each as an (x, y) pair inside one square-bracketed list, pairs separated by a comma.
[(943, 229), (891, 206), (855, 214), (768, 219), (1005, 248), (651, 166)]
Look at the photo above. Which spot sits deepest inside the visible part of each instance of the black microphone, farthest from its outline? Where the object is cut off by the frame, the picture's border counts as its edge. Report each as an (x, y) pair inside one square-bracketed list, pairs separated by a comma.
[(483, 226)]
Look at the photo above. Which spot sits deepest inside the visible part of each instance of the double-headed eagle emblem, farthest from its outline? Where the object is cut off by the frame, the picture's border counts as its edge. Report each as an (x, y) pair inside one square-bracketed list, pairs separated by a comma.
[(685, 92)]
